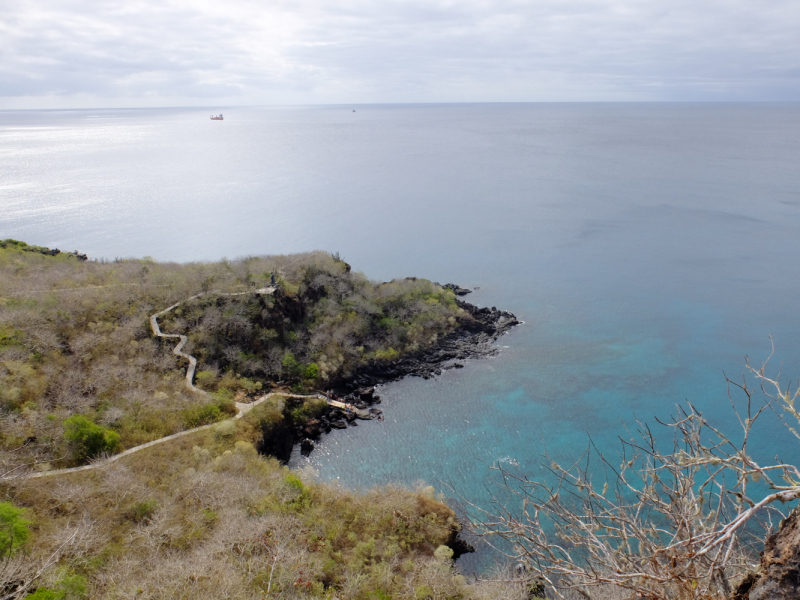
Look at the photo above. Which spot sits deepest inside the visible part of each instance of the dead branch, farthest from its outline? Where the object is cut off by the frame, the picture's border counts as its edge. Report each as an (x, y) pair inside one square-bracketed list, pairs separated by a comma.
[(664, 524)]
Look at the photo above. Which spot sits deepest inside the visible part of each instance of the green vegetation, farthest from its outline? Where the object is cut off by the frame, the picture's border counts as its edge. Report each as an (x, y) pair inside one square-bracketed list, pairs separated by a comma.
[(71, 587), (23, 247), (142, 511), (211, 412), (13, 529), (89, 439)]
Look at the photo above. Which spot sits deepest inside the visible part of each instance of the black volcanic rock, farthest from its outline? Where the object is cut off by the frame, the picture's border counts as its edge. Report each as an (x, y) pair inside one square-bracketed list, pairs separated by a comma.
[(277, 440), (778, 576), (306, 447), (473, 339), (312, 428), (458, 290)]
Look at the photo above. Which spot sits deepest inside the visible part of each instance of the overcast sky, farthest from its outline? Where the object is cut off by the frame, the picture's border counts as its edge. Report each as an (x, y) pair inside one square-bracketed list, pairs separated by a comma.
[(74, 53)]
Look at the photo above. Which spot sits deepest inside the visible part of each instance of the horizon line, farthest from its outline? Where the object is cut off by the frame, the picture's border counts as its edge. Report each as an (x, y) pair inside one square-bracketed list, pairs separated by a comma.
[(386, 104)]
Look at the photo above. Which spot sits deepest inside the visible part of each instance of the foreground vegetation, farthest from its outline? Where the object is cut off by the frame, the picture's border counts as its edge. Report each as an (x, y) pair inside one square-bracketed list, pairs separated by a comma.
[(206, 516)]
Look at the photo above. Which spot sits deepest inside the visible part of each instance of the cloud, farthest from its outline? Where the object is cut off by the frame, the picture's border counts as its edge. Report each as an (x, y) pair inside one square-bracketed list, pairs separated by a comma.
[(241, 51)]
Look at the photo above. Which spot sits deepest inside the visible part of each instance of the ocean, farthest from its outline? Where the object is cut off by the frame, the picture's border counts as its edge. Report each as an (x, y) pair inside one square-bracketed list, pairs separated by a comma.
[(648, 248)]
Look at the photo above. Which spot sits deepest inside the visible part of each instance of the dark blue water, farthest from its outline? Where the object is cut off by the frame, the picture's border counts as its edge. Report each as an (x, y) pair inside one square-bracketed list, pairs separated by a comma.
[(648, 248)]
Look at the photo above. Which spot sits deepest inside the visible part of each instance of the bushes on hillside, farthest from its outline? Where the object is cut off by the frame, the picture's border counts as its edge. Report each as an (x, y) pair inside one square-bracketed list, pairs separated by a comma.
[(75, 339), (89, 439), (13, 529), (327, 324), (205, 414)]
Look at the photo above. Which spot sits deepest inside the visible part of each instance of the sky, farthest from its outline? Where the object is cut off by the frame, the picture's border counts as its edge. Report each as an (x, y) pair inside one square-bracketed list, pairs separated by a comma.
[(102, 53)]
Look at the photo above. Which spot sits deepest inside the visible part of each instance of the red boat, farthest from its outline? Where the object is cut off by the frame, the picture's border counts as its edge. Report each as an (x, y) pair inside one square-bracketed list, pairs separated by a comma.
[(217, 118)]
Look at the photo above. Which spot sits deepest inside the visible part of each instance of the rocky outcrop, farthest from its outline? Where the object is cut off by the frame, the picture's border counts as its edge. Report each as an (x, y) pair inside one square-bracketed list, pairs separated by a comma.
[(277, 440), (306, 447), (458, 290), (778, 576), (473, 339)]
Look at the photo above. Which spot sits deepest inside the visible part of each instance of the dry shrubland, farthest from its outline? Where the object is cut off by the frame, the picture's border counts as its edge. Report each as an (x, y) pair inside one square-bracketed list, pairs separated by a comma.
[(75, 340), (205, 516)]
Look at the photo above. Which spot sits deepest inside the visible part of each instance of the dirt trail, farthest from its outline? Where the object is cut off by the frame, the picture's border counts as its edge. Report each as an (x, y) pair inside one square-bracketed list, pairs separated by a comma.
[(178, 350), (242, 407)]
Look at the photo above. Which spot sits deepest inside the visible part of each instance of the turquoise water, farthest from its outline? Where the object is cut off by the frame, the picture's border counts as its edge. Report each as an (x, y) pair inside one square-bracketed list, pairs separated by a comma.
[(648, 248)]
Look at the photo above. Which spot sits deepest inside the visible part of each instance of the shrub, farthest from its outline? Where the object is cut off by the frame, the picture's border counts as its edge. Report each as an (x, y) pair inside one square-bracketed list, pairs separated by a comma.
[(225, 429), (8, 337), (72, 587), (224, 395), (13, 529), (307, 409), (290, 365), (206, 379), (44, 594), (205, 414), (312, 371), (294, 481), (423, 592), (142, 511), (388, 354), (89, 438), (303, 500), (249, 386), (443, 553)]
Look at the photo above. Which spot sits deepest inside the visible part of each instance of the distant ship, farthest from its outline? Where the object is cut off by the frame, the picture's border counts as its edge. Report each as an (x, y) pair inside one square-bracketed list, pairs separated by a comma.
[(217, 118)]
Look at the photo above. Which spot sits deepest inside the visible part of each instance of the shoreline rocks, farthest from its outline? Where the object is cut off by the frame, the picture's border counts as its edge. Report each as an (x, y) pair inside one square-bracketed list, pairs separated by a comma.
[(458, 290), (473, 339)]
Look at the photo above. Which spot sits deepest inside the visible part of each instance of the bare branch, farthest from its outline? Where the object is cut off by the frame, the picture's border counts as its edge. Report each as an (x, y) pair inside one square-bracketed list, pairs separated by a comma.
[(673, 524)]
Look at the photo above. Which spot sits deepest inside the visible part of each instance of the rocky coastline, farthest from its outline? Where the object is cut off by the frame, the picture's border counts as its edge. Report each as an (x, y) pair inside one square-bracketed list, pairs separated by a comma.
[(473, 339)]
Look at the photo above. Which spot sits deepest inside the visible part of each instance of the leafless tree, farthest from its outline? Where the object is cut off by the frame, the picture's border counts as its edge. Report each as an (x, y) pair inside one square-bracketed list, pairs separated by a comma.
[(18, 573), (12, 469), (680, 524)]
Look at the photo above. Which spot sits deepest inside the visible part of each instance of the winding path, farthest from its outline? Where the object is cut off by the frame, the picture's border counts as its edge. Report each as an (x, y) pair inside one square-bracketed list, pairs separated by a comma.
[(178, 350), (242, 407)]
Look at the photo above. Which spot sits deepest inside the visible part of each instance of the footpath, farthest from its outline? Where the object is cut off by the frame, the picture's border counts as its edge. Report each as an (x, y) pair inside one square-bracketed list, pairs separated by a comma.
[(242, 407)]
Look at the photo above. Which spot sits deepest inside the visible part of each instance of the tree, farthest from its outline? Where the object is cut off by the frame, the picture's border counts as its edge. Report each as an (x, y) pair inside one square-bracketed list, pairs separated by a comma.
[(13, 529), (17, 572), (90, 439), (664, 525), (13, 535)]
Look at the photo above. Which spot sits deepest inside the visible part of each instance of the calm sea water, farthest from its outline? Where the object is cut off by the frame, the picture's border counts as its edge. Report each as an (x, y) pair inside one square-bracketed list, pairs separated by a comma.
[(648, 248)]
